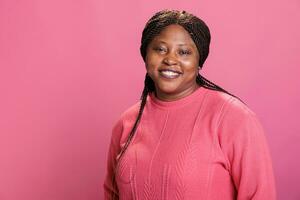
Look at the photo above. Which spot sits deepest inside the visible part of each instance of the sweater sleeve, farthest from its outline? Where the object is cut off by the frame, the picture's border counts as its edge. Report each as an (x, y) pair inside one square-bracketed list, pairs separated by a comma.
[(110, 191), (242, 139)]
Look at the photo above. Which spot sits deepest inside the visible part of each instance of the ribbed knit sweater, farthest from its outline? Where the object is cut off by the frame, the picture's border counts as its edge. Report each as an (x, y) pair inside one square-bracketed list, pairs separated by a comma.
[(205, 146)]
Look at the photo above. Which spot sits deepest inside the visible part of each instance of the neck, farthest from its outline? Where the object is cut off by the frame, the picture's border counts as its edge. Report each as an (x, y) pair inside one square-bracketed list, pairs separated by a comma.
[(173, 97)]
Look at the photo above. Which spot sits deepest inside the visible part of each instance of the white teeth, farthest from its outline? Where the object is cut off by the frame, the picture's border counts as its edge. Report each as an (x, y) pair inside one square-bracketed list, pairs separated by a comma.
[(169, 73)]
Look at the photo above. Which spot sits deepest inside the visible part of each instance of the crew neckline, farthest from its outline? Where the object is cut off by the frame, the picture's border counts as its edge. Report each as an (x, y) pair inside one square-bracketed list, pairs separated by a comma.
[(179, 102)]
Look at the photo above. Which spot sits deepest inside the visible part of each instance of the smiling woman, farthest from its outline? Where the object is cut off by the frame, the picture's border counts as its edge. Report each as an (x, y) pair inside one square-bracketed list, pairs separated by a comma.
[(172, 63), (187, 138)]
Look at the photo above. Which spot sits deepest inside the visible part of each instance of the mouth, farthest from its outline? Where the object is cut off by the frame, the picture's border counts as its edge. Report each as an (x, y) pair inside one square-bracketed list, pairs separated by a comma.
[(169, 73)]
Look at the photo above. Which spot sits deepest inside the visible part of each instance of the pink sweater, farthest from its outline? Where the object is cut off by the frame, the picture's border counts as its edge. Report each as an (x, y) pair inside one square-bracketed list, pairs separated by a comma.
[(206, 146)]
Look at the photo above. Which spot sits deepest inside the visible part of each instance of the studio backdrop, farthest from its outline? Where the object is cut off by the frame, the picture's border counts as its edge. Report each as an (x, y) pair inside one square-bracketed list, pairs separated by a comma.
[(68, 69)]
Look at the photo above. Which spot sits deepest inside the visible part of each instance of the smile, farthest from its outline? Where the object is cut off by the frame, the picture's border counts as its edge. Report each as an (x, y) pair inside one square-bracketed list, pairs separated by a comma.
[(169, 74)]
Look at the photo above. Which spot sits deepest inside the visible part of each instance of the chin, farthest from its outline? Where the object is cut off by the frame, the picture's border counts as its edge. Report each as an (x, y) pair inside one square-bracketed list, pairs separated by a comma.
[(168, 89)]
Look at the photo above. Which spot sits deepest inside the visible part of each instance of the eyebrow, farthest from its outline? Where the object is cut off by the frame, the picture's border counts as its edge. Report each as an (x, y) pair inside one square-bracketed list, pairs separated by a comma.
[(182, 44)]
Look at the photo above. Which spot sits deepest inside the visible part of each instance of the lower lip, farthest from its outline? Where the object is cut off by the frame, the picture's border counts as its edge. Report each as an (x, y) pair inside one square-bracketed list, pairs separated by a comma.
[(169, 77)]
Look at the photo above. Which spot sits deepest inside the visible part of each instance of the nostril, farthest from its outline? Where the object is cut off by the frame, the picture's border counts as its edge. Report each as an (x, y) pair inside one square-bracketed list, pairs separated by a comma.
[(170, 61)]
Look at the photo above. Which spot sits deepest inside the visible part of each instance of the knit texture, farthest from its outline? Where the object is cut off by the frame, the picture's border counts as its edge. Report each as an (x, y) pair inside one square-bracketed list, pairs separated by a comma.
[(207, 145)]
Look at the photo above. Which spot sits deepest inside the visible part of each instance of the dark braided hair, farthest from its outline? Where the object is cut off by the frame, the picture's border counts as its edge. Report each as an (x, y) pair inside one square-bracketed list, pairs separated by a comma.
[(200, 34), (197, 29)]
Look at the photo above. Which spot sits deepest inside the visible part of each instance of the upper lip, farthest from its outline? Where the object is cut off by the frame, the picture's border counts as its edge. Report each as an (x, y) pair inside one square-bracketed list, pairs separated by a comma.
[(170, 69)]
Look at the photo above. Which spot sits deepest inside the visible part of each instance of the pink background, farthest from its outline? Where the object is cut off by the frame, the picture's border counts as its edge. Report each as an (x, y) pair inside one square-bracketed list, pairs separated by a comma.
[(69, 68)]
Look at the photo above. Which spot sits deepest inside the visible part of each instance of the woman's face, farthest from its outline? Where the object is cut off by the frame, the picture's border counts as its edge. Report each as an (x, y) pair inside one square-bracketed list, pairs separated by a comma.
[(172, 62)]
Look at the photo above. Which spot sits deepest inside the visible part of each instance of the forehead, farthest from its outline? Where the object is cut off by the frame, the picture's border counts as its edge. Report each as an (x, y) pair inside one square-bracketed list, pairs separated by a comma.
[(174, 33)]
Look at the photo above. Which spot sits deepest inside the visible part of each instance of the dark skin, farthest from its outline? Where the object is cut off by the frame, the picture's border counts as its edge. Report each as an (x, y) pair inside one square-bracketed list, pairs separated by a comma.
[(173, 49)]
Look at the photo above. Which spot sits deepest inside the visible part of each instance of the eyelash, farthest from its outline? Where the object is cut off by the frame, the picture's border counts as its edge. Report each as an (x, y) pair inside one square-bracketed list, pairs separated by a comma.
[(185, 52), (181, 52), (158, 49)]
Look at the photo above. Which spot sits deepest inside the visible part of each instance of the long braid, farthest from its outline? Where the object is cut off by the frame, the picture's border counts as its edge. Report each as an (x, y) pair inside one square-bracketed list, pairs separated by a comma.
[(210, 85), (149, 87)]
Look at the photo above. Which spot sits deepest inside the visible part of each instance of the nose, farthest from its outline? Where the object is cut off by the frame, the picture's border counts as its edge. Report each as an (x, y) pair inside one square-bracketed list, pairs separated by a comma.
[(170, 60)]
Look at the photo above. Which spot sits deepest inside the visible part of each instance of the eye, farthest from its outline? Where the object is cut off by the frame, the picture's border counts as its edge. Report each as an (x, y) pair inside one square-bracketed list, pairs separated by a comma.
[(160, 49), (184, 52)]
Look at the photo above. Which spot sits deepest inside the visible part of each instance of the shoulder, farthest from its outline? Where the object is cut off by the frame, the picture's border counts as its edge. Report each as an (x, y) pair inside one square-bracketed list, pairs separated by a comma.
[(131, 112), (227, 111), (126, 120), (218, 103), (227, 104), (236, 111), (236, 121)]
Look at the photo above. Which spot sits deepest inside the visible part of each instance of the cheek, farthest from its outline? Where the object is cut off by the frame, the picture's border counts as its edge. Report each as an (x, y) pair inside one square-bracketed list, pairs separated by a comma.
[(152, 62), (190, 66)]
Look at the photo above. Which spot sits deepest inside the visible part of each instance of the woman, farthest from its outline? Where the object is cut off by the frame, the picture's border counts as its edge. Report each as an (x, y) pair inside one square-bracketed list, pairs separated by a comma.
[(187, 138)]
